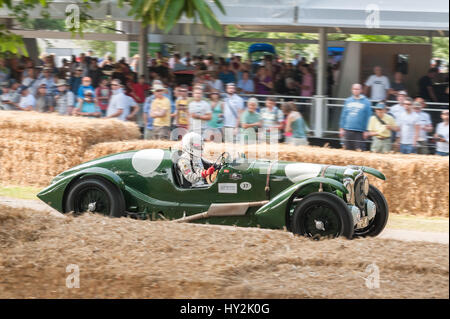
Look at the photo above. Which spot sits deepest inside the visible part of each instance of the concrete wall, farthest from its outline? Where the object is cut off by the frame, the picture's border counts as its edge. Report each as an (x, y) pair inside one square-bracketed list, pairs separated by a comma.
[(384, 54)]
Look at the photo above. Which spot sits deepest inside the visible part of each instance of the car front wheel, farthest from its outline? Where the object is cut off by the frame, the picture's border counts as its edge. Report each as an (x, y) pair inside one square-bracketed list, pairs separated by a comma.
[(322, 215), (96, 195)]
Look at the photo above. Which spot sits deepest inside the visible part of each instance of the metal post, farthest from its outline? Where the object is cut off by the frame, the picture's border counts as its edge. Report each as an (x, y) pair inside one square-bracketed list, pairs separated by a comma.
[(322, 62), (320, 98), (143, 44)]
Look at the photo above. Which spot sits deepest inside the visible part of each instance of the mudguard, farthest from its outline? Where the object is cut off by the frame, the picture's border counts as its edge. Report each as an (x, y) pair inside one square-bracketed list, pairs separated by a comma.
[(273, 214), (374, 172), (53, 195)]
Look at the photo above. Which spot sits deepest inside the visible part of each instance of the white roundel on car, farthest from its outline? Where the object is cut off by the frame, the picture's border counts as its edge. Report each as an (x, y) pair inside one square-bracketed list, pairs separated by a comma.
[(297, 172), (147, 161)]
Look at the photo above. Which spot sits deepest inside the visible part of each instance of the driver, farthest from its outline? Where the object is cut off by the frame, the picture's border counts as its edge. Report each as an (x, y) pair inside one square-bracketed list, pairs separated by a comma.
[(190, 163)]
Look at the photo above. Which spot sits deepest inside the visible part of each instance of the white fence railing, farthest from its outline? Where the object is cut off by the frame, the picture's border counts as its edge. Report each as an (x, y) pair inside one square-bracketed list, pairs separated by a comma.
[(322, 113)]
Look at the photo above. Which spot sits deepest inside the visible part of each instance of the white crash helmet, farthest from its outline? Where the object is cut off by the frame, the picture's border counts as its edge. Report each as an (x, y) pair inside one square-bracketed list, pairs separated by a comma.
[(192, 143)]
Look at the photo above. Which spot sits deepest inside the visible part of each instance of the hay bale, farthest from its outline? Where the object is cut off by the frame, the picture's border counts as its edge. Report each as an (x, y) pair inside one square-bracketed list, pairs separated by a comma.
[(415, 184), (35, 147)]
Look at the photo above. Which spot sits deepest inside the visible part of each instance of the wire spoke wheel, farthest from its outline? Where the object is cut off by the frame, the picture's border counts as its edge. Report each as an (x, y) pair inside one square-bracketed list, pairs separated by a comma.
[(96, 195), (321, 221), (322, 215), (92, 199)]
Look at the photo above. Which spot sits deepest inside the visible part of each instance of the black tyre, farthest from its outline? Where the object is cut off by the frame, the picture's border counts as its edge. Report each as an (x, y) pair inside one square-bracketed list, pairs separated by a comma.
[(95, 194), (378, 223), (322, 215)]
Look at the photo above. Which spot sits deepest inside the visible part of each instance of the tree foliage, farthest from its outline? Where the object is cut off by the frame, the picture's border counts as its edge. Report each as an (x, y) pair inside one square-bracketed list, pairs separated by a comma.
[(166, 13), (288, 50), (100, 47), (161, 13), (10, 42)]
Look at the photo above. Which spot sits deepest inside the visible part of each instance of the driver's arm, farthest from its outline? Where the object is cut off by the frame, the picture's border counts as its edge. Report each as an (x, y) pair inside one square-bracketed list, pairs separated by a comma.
[(192, 175), (206, 163)]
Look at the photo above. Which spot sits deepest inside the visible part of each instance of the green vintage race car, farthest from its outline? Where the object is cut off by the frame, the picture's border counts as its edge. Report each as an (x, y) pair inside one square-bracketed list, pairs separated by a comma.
[(308, 199)]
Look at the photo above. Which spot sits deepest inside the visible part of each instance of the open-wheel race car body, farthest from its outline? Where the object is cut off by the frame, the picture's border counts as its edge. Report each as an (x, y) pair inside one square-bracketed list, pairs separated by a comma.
[(309, 199)]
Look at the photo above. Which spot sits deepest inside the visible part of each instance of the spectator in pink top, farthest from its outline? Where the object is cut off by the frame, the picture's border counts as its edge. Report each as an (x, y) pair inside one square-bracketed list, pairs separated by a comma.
[(307, 86)]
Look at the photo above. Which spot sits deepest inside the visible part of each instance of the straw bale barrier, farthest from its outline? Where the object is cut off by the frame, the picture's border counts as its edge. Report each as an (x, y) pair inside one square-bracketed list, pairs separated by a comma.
[(415, 184), (35, 147), (127, 258)]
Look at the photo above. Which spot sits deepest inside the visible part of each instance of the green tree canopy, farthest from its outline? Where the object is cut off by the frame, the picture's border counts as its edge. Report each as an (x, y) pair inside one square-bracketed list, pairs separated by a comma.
[(287, 50), (161, 13)]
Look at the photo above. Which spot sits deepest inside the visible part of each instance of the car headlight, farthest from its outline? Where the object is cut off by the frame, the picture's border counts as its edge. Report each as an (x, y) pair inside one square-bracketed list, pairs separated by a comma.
[(366, 186), (348, 183), (359, 191)]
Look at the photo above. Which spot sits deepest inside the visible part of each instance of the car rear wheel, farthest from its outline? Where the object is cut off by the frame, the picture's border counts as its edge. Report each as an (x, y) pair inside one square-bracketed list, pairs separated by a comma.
[(96, 195), (322, 215), (377, 224)]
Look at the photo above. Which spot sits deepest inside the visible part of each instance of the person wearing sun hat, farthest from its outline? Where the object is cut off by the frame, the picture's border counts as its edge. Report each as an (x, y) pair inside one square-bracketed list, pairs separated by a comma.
[(87, 106), (380, 128), (65, 99), (44, 101), (160, 111), (146, 118)]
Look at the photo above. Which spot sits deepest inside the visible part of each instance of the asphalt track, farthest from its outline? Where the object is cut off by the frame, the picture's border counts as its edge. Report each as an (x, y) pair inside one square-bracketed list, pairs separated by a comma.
[(388, 233)]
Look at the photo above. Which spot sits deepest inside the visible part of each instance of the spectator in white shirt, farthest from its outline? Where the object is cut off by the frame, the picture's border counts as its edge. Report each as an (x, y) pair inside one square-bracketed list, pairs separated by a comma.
[(118, 106), (442, 135), (232, 108), (397, 109), (199, 112), (378, 84), (409, 129), (27, 100), (425, 125)]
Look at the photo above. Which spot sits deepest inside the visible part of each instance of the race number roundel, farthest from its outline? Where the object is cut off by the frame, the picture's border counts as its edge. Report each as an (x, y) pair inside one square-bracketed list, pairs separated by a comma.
[(245, 186)]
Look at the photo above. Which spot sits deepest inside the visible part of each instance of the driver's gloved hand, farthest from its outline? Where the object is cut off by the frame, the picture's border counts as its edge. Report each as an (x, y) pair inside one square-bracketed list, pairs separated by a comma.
[(208, 171)]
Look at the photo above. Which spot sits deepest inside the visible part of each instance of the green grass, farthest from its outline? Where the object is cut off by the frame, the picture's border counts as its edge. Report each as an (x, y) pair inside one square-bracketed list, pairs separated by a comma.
[(419, 223), (21, 192)]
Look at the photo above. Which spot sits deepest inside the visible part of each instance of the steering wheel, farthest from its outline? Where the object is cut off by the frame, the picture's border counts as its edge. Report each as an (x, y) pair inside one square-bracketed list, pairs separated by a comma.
[(211, 178), (222, 159)]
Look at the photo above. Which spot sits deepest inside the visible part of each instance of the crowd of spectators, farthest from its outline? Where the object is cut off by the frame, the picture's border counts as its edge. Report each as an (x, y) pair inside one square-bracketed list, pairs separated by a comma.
[(101, 87), (402, 127)]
